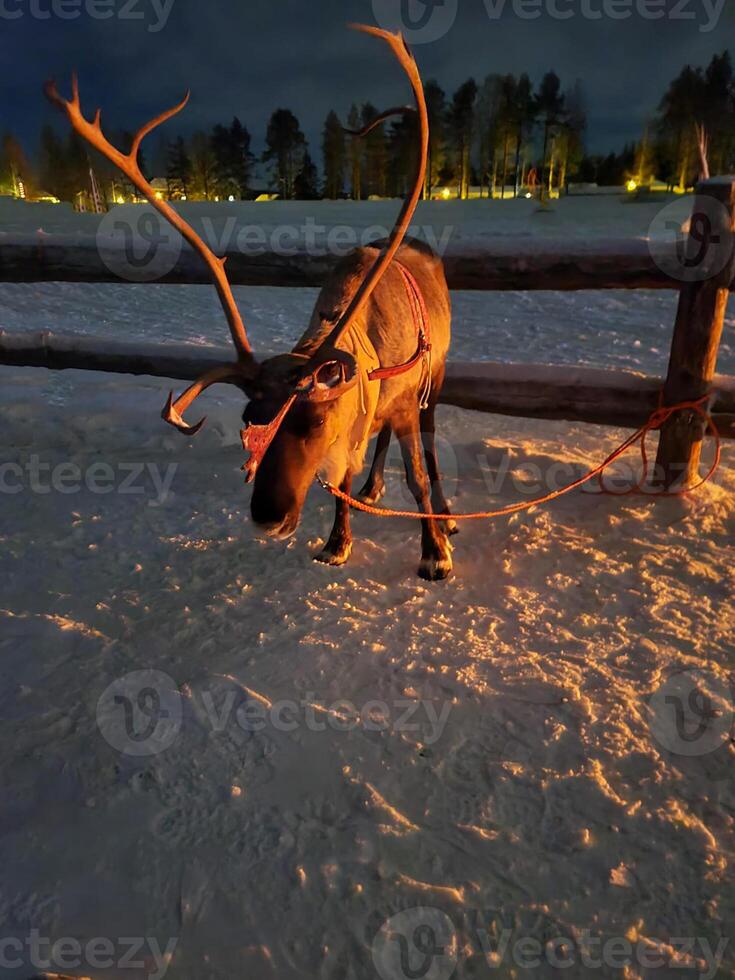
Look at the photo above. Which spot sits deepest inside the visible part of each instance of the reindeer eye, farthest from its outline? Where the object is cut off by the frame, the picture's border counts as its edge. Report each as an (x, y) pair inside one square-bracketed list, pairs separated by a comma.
[(328, 375)]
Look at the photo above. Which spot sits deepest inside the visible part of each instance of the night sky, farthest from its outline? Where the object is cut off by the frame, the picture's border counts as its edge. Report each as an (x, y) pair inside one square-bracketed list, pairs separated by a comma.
[(247, 57)]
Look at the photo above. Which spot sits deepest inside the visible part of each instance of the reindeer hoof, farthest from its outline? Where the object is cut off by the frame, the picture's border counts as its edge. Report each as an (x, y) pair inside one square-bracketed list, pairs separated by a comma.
[(329, 556), (435, 569), (371, 495)]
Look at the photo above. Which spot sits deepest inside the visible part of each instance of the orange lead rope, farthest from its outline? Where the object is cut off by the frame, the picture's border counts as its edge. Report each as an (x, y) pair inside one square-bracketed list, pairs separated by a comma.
[(656, 420)]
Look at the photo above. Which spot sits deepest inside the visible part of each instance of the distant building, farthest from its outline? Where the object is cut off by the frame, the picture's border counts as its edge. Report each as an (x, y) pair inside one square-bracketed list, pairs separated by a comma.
[(162, 188), (43, 197)]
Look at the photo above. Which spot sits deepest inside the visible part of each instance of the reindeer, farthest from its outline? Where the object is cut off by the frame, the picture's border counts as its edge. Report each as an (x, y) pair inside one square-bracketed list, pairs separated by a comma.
[(371, 362)]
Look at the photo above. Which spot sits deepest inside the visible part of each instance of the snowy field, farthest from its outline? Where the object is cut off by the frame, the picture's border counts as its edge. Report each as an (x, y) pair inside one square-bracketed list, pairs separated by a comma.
[(470, 222), (344, 748)]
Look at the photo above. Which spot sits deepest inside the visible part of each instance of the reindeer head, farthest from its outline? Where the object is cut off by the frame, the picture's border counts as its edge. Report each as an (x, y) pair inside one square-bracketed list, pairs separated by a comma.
[(304, 407), (300, 422)]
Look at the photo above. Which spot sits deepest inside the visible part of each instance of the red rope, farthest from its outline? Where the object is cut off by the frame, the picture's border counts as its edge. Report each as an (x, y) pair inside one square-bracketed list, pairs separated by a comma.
[(657, 419)]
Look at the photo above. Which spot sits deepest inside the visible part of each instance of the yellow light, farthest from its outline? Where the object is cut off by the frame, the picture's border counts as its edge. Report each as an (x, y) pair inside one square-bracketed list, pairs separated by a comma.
[(529, 196), (119, 200), (159, 196), (632, 185), (446, 193)]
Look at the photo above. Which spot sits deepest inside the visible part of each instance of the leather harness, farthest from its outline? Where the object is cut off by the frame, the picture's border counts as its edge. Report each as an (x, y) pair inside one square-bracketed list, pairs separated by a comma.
[(421, 322)]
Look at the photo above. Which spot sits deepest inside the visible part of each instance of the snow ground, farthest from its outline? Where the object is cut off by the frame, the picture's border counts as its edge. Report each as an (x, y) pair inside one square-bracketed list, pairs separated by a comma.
[(540, 786), (575, 218)]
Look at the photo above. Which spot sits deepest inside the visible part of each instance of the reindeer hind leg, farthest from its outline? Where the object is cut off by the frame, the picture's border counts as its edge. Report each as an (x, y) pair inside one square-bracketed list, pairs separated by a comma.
[(436, 551), (439, 503)]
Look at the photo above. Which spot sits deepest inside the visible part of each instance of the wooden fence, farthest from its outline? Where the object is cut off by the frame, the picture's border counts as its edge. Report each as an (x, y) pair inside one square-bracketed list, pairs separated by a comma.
[(498, 266), (538, 391), (542, 391)]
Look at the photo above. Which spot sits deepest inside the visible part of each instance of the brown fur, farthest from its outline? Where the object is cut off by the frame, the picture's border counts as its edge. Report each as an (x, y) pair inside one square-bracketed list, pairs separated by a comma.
[(331, 438)]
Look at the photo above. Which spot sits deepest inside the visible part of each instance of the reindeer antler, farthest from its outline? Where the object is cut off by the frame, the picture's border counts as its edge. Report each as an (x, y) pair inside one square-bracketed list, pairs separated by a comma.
[(246, 366), (174, 410), (364, 291), (401, 110)]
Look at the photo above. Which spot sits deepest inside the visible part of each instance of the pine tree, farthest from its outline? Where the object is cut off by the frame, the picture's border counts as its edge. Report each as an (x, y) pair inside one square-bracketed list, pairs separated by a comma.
[(243, 160), (375, 155), (52, 163), (15, 166), (436, 105), (570, 142), (159, 155), (355, 155), (460, 121), (402, 156), (507, 124), (643, 168), (203, 167), (487, 110), (306, 185), (550, 106), (525, 119), (718, 115), (178, 172), (233, 160), (682, 106), (8, 177), (285, 146), (335, 156), (77, 166)]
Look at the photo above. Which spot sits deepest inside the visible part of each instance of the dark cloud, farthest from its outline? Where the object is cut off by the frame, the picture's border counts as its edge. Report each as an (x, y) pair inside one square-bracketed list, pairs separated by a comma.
[(246, 57)]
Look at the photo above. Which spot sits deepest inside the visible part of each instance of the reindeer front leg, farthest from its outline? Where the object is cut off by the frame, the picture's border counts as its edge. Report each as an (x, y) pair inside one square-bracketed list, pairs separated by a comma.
[(374, 488), (339, 546), (436, 551)]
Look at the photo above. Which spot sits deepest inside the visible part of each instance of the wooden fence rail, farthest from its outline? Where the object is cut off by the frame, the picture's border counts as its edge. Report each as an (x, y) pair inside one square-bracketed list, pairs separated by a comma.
[(532, 265), (526, 390)]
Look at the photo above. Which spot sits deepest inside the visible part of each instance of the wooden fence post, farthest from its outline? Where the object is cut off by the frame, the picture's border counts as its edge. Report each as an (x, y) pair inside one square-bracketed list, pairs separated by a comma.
[(709, 265)]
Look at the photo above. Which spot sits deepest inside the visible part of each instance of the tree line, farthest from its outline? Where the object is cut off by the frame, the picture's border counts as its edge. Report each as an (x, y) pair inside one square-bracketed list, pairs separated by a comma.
[(501, 135)]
